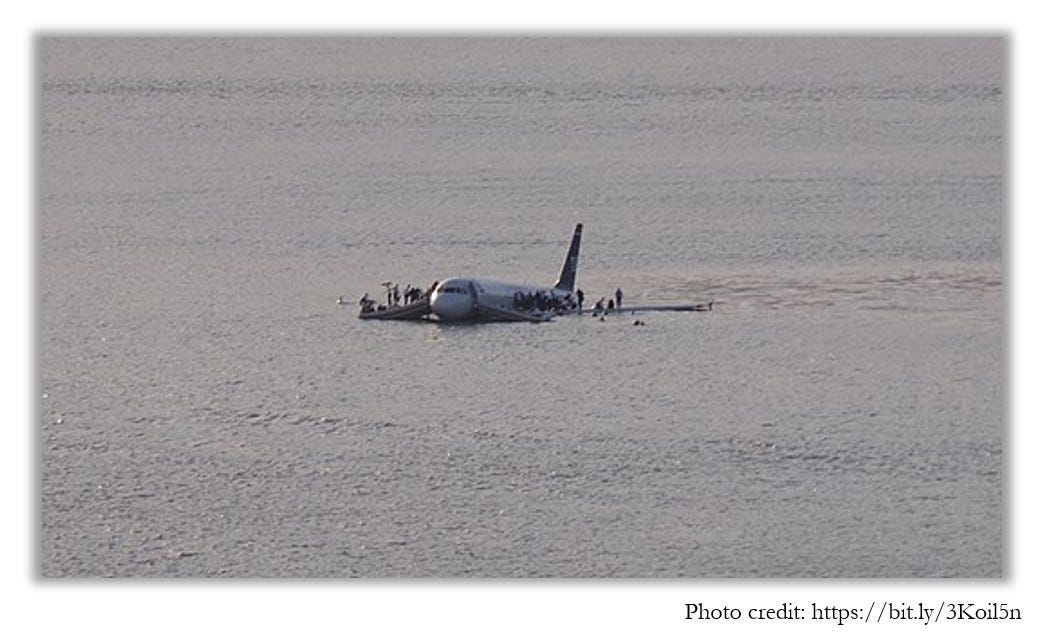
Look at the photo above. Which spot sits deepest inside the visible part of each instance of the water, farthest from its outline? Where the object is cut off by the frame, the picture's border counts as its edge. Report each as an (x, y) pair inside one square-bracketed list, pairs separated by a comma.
[(208, 410)]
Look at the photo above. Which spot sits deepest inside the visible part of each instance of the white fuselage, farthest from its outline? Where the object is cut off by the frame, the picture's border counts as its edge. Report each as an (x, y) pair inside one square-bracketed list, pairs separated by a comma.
[(469, 299), (472, 299)]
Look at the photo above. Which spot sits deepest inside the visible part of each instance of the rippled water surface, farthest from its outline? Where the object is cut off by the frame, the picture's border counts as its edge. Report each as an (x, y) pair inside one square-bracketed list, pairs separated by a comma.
[(207, 408)]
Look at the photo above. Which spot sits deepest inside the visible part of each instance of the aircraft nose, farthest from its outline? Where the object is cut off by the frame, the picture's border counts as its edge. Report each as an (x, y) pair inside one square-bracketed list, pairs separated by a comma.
[(436, 302), (450, 306)]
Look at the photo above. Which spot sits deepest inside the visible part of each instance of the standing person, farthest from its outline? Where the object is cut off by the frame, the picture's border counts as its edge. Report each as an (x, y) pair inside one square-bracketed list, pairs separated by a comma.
[(619, 295), (580, 299), (396, 294)]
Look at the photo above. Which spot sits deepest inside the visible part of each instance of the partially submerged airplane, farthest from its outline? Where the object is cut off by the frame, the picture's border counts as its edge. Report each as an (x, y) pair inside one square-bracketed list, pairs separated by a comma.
[(470, 299)]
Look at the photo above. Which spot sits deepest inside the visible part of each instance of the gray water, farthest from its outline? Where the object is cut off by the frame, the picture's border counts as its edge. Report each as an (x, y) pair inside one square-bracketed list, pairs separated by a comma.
[(207, 409)]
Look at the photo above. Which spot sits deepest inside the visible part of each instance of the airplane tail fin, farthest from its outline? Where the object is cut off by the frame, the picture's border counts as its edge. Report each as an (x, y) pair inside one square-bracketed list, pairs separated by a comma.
[(568, 277)]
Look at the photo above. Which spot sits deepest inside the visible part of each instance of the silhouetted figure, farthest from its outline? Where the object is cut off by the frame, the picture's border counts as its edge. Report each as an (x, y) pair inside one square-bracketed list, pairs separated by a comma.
[(580, 299), (619, 296)]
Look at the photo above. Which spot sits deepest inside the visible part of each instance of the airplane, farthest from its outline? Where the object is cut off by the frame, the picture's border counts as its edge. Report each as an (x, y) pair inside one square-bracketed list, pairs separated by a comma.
[(470, 299)]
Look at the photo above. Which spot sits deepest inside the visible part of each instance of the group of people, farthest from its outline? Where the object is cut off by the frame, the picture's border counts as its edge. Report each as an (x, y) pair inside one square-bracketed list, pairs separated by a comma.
[(602, 306), (410, 294), (414, 293), (366, 303), (542, 302), (550, 302), (394, 294)]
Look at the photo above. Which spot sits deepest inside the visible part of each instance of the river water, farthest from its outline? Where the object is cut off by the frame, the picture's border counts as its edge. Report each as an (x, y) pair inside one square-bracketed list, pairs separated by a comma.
[(208, 410)]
